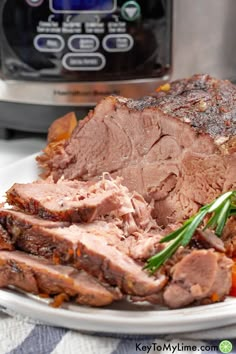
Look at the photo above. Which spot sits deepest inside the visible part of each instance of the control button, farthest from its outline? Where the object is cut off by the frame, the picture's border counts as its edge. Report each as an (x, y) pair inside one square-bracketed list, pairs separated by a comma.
[(118, 42), (34, 2), (84, 62), (49, 43), (130, 10), (95, 27), (83, 43)]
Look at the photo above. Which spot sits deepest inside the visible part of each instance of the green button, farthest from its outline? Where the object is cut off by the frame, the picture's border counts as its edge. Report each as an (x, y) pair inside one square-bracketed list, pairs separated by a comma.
[(130, 10)]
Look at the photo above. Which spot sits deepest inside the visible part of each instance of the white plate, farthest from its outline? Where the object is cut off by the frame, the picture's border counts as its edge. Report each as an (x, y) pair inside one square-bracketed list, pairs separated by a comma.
[(119, 318)]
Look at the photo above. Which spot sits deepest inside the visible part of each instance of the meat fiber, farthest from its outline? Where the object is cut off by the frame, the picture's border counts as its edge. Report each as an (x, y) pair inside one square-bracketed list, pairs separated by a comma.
[(205, 239), (102, 249), (202, 274), (16, 230), (95, 247), (75, 201), (176, 147), (22, 221), (38, 276), (175, 151), (16, 222), (65, 200), (16, 226), (229, 237), (6, 243)]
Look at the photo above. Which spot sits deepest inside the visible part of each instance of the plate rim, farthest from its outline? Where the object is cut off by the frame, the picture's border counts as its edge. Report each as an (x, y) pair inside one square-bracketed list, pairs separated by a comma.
[(109, 323), (108, 320)]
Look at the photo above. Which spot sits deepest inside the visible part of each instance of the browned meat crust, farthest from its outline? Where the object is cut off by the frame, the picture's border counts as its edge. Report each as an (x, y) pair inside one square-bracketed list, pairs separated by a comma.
[(38, 276), (176, 148), (208, 104), (139, 246), (90, 251), (202, 274), (6, 243), (205, 239), (229, 237), (195, 277), (22, 221), (64, 201), (101, 249)]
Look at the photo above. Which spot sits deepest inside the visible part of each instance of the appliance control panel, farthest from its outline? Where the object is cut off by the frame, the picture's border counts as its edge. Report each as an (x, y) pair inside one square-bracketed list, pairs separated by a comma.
[(85, 40)]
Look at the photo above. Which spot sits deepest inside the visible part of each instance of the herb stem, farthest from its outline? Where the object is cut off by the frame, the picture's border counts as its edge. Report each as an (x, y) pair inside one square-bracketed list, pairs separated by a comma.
[(220, 210)]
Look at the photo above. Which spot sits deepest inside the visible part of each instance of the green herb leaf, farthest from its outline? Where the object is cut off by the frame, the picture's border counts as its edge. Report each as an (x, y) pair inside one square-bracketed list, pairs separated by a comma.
[(212, 222), (223, 216), (219, 201), (193, 226), (173, 234), (156, 261), (220, 210)]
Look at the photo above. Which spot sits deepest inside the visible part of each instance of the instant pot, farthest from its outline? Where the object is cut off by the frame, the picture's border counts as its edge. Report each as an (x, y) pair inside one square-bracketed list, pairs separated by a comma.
[(63, 55)]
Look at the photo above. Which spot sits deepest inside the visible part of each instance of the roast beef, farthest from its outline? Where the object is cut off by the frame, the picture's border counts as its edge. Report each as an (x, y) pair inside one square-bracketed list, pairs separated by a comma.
[(229, 237), (16, 225), (75, 201), (13, 223), (23, 221), (65, 201), (200, 275), (205, 239), (6, 242), (95, 247), (175, 147), (102, 249), (39, 276)]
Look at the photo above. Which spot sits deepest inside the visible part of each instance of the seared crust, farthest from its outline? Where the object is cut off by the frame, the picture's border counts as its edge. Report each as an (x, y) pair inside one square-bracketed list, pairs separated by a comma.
[(90, 251), (6, 242), (39, 276), (62, 202), (208, 104), (176, 147)]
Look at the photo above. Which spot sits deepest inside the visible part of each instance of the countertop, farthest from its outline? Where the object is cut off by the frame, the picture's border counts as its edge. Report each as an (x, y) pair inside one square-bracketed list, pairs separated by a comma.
[(16, 149)]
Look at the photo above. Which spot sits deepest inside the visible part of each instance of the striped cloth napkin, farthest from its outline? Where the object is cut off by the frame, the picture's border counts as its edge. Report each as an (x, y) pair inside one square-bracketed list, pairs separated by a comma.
[(19, 335)]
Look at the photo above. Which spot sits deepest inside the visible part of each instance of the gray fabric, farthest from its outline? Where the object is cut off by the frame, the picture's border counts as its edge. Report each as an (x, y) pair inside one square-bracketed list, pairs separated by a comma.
[(41, 340), (128, 346)]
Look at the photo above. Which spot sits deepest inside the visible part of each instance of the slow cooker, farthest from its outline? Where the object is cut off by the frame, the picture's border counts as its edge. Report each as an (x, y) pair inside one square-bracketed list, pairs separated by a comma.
[(63, 55)]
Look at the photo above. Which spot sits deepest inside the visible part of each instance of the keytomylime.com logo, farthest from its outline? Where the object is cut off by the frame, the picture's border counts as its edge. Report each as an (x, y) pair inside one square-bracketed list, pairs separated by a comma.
[(225, 347)]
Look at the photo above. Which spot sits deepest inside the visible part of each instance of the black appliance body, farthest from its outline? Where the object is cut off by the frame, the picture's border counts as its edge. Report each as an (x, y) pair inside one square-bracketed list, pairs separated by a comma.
[(62, 55)]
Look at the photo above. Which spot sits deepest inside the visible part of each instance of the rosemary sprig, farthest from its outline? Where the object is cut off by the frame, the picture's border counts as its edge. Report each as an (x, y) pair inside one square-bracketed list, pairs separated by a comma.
[(220, 210)]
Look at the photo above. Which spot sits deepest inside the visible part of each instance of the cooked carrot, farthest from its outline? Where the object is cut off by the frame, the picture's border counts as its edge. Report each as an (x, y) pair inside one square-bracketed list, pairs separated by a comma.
[(215, 297), (61, 128)]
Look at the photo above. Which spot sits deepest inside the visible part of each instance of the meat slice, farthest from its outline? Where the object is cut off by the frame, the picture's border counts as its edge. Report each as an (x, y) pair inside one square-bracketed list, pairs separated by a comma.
[(207, 239), (18, 222), (22, 221), (75, 201), (229, 237), (176, 147), (6, 243), (200, 275), (96, 250), (144, 245), (39, 276), (140, 246), (65, 201)]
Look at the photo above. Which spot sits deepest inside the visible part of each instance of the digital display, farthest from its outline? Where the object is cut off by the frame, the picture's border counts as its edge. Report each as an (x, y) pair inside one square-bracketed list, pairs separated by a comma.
[(69, 6)]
